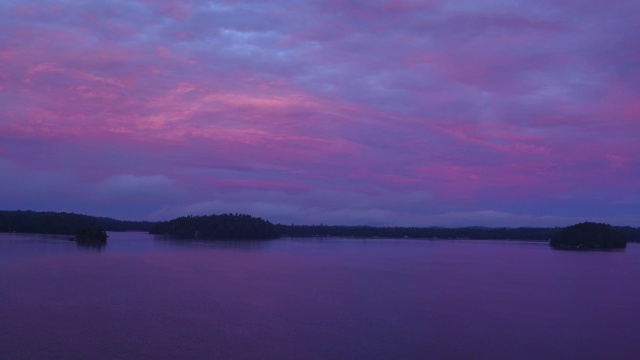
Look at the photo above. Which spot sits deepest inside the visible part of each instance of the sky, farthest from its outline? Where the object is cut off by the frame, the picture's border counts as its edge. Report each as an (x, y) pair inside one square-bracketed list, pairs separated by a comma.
[(353, 112)]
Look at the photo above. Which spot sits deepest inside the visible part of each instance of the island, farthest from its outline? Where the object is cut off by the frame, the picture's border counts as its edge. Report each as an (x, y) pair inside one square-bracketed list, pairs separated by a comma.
[(217, 227), (589, 236), (91, 236)]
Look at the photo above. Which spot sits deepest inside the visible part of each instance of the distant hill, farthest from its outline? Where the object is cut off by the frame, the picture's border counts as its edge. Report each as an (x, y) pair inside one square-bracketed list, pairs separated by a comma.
[(49, 222)]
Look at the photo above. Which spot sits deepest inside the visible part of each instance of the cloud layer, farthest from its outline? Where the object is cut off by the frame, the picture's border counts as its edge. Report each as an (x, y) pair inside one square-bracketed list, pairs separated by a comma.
[(346, 112)]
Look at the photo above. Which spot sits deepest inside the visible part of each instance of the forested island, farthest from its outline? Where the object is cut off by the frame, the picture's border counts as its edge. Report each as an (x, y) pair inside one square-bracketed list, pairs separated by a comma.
[(589, 236), (226, 226), (242, 226), (92, 237)]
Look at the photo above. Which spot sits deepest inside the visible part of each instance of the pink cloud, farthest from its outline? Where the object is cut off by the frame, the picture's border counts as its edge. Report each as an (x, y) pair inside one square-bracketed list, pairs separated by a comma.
[(485, 110)]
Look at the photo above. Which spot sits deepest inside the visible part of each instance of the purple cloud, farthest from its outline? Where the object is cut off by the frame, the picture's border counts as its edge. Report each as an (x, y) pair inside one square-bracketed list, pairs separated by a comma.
[(352, 112)]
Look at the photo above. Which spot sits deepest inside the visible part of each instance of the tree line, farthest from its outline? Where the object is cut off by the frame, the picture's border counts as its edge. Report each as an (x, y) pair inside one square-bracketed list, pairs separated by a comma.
[(479, 233), (473, 232), (49, 222), (242, 226)]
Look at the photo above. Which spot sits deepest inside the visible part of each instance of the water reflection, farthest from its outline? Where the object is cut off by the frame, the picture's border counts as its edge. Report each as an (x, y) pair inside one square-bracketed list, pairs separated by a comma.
[(329, 298), (15, 246), (92, 247), (242, 245)]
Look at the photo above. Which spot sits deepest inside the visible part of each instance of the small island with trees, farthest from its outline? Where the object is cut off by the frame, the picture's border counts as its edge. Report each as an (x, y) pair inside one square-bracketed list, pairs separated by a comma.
[(91, 236), (589, 236)]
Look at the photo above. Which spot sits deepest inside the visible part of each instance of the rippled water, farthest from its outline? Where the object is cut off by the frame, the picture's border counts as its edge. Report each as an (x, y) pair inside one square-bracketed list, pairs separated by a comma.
[(149, 298)]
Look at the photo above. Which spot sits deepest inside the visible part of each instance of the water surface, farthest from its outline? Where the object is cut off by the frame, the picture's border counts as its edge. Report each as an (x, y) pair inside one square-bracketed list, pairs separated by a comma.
[(144, 297)]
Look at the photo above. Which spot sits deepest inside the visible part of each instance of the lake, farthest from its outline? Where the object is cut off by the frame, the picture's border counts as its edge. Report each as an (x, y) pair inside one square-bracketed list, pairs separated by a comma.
[(145, 297)]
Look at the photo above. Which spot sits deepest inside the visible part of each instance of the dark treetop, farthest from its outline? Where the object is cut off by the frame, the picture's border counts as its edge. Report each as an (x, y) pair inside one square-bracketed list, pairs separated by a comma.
[(589, 236)]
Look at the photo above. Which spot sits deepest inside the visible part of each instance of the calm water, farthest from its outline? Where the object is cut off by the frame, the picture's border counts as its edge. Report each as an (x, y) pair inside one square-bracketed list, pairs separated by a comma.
[(147, 298)]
